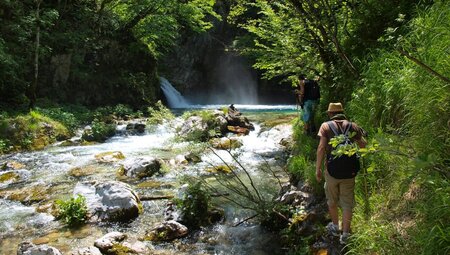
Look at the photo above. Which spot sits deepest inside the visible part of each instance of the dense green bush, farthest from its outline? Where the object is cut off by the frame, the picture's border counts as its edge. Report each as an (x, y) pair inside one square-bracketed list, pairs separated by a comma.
[(99, 131), (194, 205), (159, 113), (73, 212), (30, 131)]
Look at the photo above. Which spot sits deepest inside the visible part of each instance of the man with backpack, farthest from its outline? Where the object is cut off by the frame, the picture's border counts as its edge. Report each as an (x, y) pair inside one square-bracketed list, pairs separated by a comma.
[(309, 96), (340, 171)]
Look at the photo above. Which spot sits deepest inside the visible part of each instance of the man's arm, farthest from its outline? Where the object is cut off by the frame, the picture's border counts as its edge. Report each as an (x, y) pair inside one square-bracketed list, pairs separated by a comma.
[(321, 150), (301, 84)]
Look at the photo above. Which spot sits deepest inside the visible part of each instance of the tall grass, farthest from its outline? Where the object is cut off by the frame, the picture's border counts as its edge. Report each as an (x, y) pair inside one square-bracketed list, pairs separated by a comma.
[(407, 109)]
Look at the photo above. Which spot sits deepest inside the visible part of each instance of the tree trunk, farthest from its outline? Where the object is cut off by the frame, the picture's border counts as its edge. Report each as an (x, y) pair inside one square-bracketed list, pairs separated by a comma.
[(34, 83)]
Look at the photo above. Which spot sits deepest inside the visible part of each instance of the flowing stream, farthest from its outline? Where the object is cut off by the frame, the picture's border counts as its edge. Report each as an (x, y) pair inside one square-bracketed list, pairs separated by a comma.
[(49, 169)]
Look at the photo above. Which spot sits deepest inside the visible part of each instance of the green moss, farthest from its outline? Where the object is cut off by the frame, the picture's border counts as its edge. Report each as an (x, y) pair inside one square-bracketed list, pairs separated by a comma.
[(10, 176), (140, 208), (219, 169), (150, 184), (82, 171), (110, 156), (27, 195), (119, 249)]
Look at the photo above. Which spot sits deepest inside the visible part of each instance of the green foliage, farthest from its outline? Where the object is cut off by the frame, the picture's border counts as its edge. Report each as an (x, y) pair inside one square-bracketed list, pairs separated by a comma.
[(159, 114), (202, 135), (3, 146), (73, 212), (194, 205), (157, 23), (68, 119), (100, 131), (122, 111)]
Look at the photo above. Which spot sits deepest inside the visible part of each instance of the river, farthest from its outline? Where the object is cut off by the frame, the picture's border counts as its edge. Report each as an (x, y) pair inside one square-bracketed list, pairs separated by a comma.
[(50, 169)]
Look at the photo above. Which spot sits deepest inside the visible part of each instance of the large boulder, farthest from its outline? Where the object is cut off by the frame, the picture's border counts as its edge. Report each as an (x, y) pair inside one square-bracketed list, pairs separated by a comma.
[(194, 128), (109, 200), (141, 167), (28, 248)]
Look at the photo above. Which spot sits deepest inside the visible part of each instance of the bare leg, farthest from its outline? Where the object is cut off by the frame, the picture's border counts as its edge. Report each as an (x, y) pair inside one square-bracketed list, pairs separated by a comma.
[(333, 210), (346, 220)]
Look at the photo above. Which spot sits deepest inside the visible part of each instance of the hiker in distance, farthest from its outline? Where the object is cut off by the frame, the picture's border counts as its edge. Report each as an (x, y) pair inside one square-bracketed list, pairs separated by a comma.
[(339, 171), (308, 97)]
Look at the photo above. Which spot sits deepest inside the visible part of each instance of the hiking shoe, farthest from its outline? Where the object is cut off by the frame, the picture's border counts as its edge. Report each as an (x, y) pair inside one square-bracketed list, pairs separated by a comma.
[(344, 238), (333, 229)]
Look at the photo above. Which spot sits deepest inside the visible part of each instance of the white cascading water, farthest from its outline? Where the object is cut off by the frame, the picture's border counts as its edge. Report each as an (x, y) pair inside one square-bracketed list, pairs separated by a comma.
[(174, 98)]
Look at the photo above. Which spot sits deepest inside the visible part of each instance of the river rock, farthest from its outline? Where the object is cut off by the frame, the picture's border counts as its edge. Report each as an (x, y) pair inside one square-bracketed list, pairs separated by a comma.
[(239, 121), (193, 157), (141, 167), (14, 176), (167, 231), (225, 143), (180, 160), (296, 198), (220, 121), (106, 242), (27, 195), (82, 171), (192, 125), (11, 165), (109, 156), (87, 251), (137, 128), (109, 200), (238, 130), (28, 248)]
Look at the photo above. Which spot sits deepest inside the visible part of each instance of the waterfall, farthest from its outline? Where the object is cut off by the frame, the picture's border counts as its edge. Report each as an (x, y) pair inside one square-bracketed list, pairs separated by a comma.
[(174, 98)]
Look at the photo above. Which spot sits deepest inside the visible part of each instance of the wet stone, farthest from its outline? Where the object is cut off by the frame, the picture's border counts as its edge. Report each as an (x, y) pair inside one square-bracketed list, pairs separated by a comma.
[(109, 156), (82, 171)]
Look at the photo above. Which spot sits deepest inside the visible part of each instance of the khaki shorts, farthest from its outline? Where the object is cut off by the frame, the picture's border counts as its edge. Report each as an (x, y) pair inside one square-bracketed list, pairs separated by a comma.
[(340, 191)]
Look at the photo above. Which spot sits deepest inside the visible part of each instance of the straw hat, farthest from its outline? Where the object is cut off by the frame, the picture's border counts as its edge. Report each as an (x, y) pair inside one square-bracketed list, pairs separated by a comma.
[(335, 107)]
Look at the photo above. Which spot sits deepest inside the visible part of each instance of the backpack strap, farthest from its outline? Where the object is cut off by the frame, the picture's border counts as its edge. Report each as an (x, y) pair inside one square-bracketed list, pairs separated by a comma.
[(347, 128), (333, 128), (337, 130)]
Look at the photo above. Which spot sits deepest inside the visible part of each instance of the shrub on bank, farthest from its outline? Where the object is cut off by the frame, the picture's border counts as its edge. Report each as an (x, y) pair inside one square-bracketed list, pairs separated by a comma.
[(73, 212), (32, 131)]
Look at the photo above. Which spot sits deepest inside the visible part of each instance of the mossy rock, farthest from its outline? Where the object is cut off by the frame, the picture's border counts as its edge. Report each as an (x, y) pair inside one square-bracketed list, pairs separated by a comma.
[(220, 169), (150, 184), (119, 249), (225, 143), (12, 165), (82, 171), (49, 238), (9, 177), (27, 195), (49, 208), (109, 156)]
